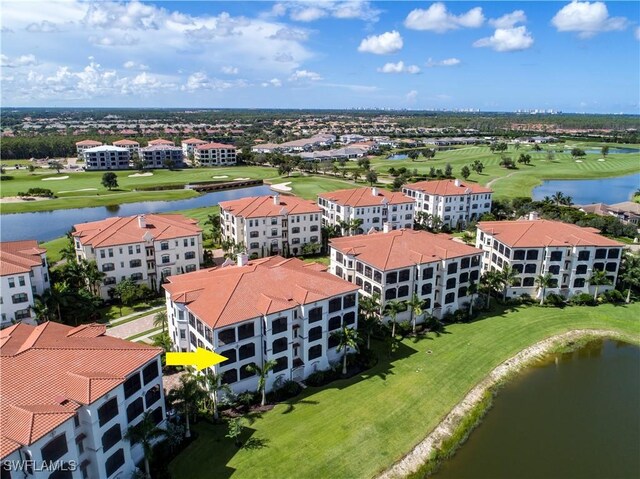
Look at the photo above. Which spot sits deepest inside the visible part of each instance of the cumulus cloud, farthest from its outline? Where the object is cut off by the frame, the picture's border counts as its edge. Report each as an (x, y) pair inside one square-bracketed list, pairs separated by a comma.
[(289, 33), (438, 19), (229, 70), (447, 62), (411, 97), (587, 19), (44, 26), (304, 75), (399, 67), (201, 81), (274, 82), (131, 65), (509, 20), (308, 12), (507, 40), (21, 61), (388, 42)]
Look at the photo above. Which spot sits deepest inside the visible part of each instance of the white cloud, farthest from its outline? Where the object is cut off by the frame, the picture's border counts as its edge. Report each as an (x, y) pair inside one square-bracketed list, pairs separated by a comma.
[(21, 61), (447, 62), (436, 18), (305, 75), (507, 40), (289, 33), (399, 67), (308, 12), (274, 82), (411, 97), (388, 42), (587, 19), (201, 81), (131, 65), (509, 20), (229, 70), (44, 26)]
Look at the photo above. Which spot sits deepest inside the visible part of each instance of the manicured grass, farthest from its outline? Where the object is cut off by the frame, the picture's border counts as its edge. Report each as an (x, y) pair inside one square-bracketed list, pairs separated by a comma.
[(360, 426), (54, 249)]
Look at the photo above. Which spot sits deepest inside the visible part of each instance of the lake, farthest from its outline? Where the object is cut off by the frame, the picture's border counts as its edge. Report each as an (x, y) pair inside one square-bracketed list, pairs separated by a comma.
[(583, 192), (398, 156), (573, 416), (47, 225)]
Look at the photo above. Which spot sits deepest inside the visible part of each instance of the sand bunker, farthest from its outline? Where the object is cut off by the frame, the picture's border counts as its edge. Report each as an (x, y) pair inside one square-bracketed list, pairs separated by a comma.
[(578, 161), (602, 159), (56, 178), (281, 186), (135, 175), (220, 176), (83, 189), (22, 199), (241, 179)]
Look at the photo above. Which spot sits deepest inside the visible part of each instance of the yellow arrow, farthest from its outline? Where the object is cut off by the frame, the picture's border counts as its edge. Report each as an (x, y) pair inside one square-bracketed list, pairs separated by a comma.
[(201, 358)]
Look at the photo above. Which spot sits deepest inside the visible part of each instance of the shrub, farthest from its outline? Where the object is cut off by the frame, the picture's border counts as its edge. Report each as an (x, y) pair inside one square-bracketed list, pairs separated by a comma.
[(287, 390), (554, 300), (254, 256), (315, 379), (613, 296), (583, 299), (248, 398), (5, 177), (404, 328), (366, 359), (43, 192)]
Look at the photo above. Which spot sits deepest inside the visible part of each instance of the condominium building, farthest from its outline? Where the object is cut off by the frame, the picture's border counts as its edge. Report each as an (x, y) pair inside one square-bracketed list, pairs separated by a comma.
[(372, 206), (132, 146), (269, 225), (265, 309), (454, 202), (161, 141), (189, 146), (85, 144), (161, 156), (24, 273), (397, 264), (144, 248), (215, 154), (69, 396), (535, 247), (107, 157)]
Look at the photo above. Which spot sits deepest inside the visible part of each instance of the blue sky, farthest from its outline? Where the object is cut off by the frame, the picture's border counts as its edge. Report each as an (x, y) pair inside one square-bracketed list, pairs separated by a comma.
[(570, 56)]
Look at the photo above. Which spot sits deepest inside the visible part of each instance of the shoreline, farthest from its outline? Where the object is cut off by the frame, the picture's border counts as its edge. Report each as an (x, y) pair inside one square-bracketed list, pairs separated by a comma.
[(424, 452)]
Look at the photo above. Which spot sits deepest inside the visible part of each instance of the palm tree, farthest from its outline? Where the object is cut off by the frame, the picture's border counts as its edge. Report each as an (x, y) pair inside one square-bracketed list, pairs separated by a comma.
[(161, 319), (508, 277), (490, 282), (543, 281), (262, 373), (558, 198), (630, 273), (347, 339), (188, 393), (163, 340), (415, 306), (212, 385), (92, 276), (598, 278), (41, 310), (145, 433), (392, 308), (369, 307), (472, 290)]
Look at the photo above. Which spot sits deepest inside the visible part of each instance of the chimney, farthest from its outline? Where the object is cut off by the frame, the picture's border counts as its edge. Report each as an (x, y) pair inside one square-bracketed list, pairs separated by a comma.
[(374, 191), (276, 199), (457, 182), (386, 227), (242, 259), (142, 222), (533, 216)]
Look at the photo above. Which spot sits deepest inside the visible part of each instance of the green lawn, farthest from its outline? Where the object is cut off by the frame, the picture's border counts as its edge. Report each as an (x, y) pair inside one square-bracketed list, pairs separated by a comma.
[(360, 426)]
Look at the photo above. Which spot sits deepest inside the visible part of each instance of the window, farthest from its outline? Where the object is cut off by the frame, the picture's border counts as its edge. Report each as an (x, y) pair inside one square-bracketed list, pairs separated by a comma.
[(530, 268), (279, 345), (553, 283), (152, 396), (584, 255), (135, 409), (136, 276), (403, 291), (335, 323), (464, 277), (108, 411), (108, 267), (601, 253), (332, 342), (164, 246), (452, 268), (109, 280), (367, 287), (426, 289), (392, 278), (315, 314), (114, 462), (404, 275), (111, 437), (278, 325), (244, 373), (226, 336), (427, 273), (613, 253), (555, 256), (532, 254), (554, 269), (189, 255), (132, 385), (245, 331), (315, 334), (335, 304), (315, 351), (281, 364), (230, 376), (465, 263), (349, 301), (598, 266), (295, 230), (254, 245), (349, 318), (19, 298), (527, 282), (12, 283), (581, 269), (518, 268), (358, 281), (21, 281), (165, 259), (313, 239), (150, 372), (247, 351), (578, 283), (55, 449), (22, 314), (254, 234), (449, 298), (230, 354), (135, 263), (611, 267), (390, 294)]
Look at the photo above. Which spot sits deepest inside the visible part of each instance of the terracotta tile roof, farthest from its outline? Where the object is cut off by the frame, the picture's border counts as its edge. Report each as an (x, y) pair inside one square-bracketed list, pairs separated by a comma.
[(160, 147), (541, 233), (402, 248), (49, 371), (232, 294), (194, 141), (260, 206), (357, 197), (160, 141), (19, 256), (126, 142), (214, 146), (126, 230), (448, 187), (88, 142)]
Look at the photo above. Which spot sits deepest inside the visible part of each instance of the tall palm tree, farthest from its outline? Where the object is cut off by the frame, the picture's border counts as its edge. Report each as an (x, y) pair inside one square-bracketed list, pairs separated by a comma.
[(262, 373), (41, 310), (490, 282), (508, 277), (161, 319), (92, 276), (472, 290), (598, 278), (145, 433), (543, 281), (369, 307), (188, 393), (212, 385), (558, 198), (347, 339), (415, 307), (393, 308), (630, 273)]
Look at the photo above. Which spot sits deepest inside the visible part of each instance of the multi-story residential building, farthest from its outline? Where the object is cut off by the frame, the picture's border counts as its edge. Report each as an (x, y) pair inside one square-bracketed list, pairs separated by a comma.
[(24, 273), (189, 146), (269, 225), (215, 154), (107, 157), (84, 144), (455, 202), (145, 249), (534, 247), (132, 146), (68, 397), (397, 264), (161, 141), (265, 309), (160, 156), (373, 206)]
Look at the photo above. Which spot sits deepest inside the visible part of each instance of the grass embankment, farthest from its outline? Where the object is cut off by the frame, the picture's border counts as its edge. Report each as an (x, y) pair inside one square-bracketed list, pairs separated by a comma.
[(360, 426)]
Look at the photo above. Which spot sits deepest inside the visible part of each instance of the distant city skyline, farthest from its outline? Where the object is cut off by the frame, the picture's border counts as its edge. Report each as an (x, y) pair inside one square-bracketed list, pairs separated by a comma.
[(574, 57)]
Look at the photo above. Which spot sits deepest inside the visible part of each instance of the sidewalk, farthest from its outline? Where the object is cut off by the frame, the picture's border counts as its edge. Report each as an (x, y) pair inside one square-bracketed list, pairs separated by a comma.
[(131, 328)]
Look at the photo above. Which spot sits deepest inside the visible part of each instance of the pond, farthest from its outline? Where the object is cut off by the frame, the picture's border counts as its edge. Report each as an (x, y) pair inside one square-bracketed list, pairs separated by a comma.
[(398, 156), (584, 192), (612, 150), (573, 416), (47, 225)]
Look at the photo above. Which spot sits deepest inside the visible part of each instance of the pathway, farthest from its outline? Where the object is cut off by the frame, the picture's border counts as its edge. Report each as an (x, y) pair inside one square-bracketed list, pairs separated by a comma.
[(126, 330), (490, 183)]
